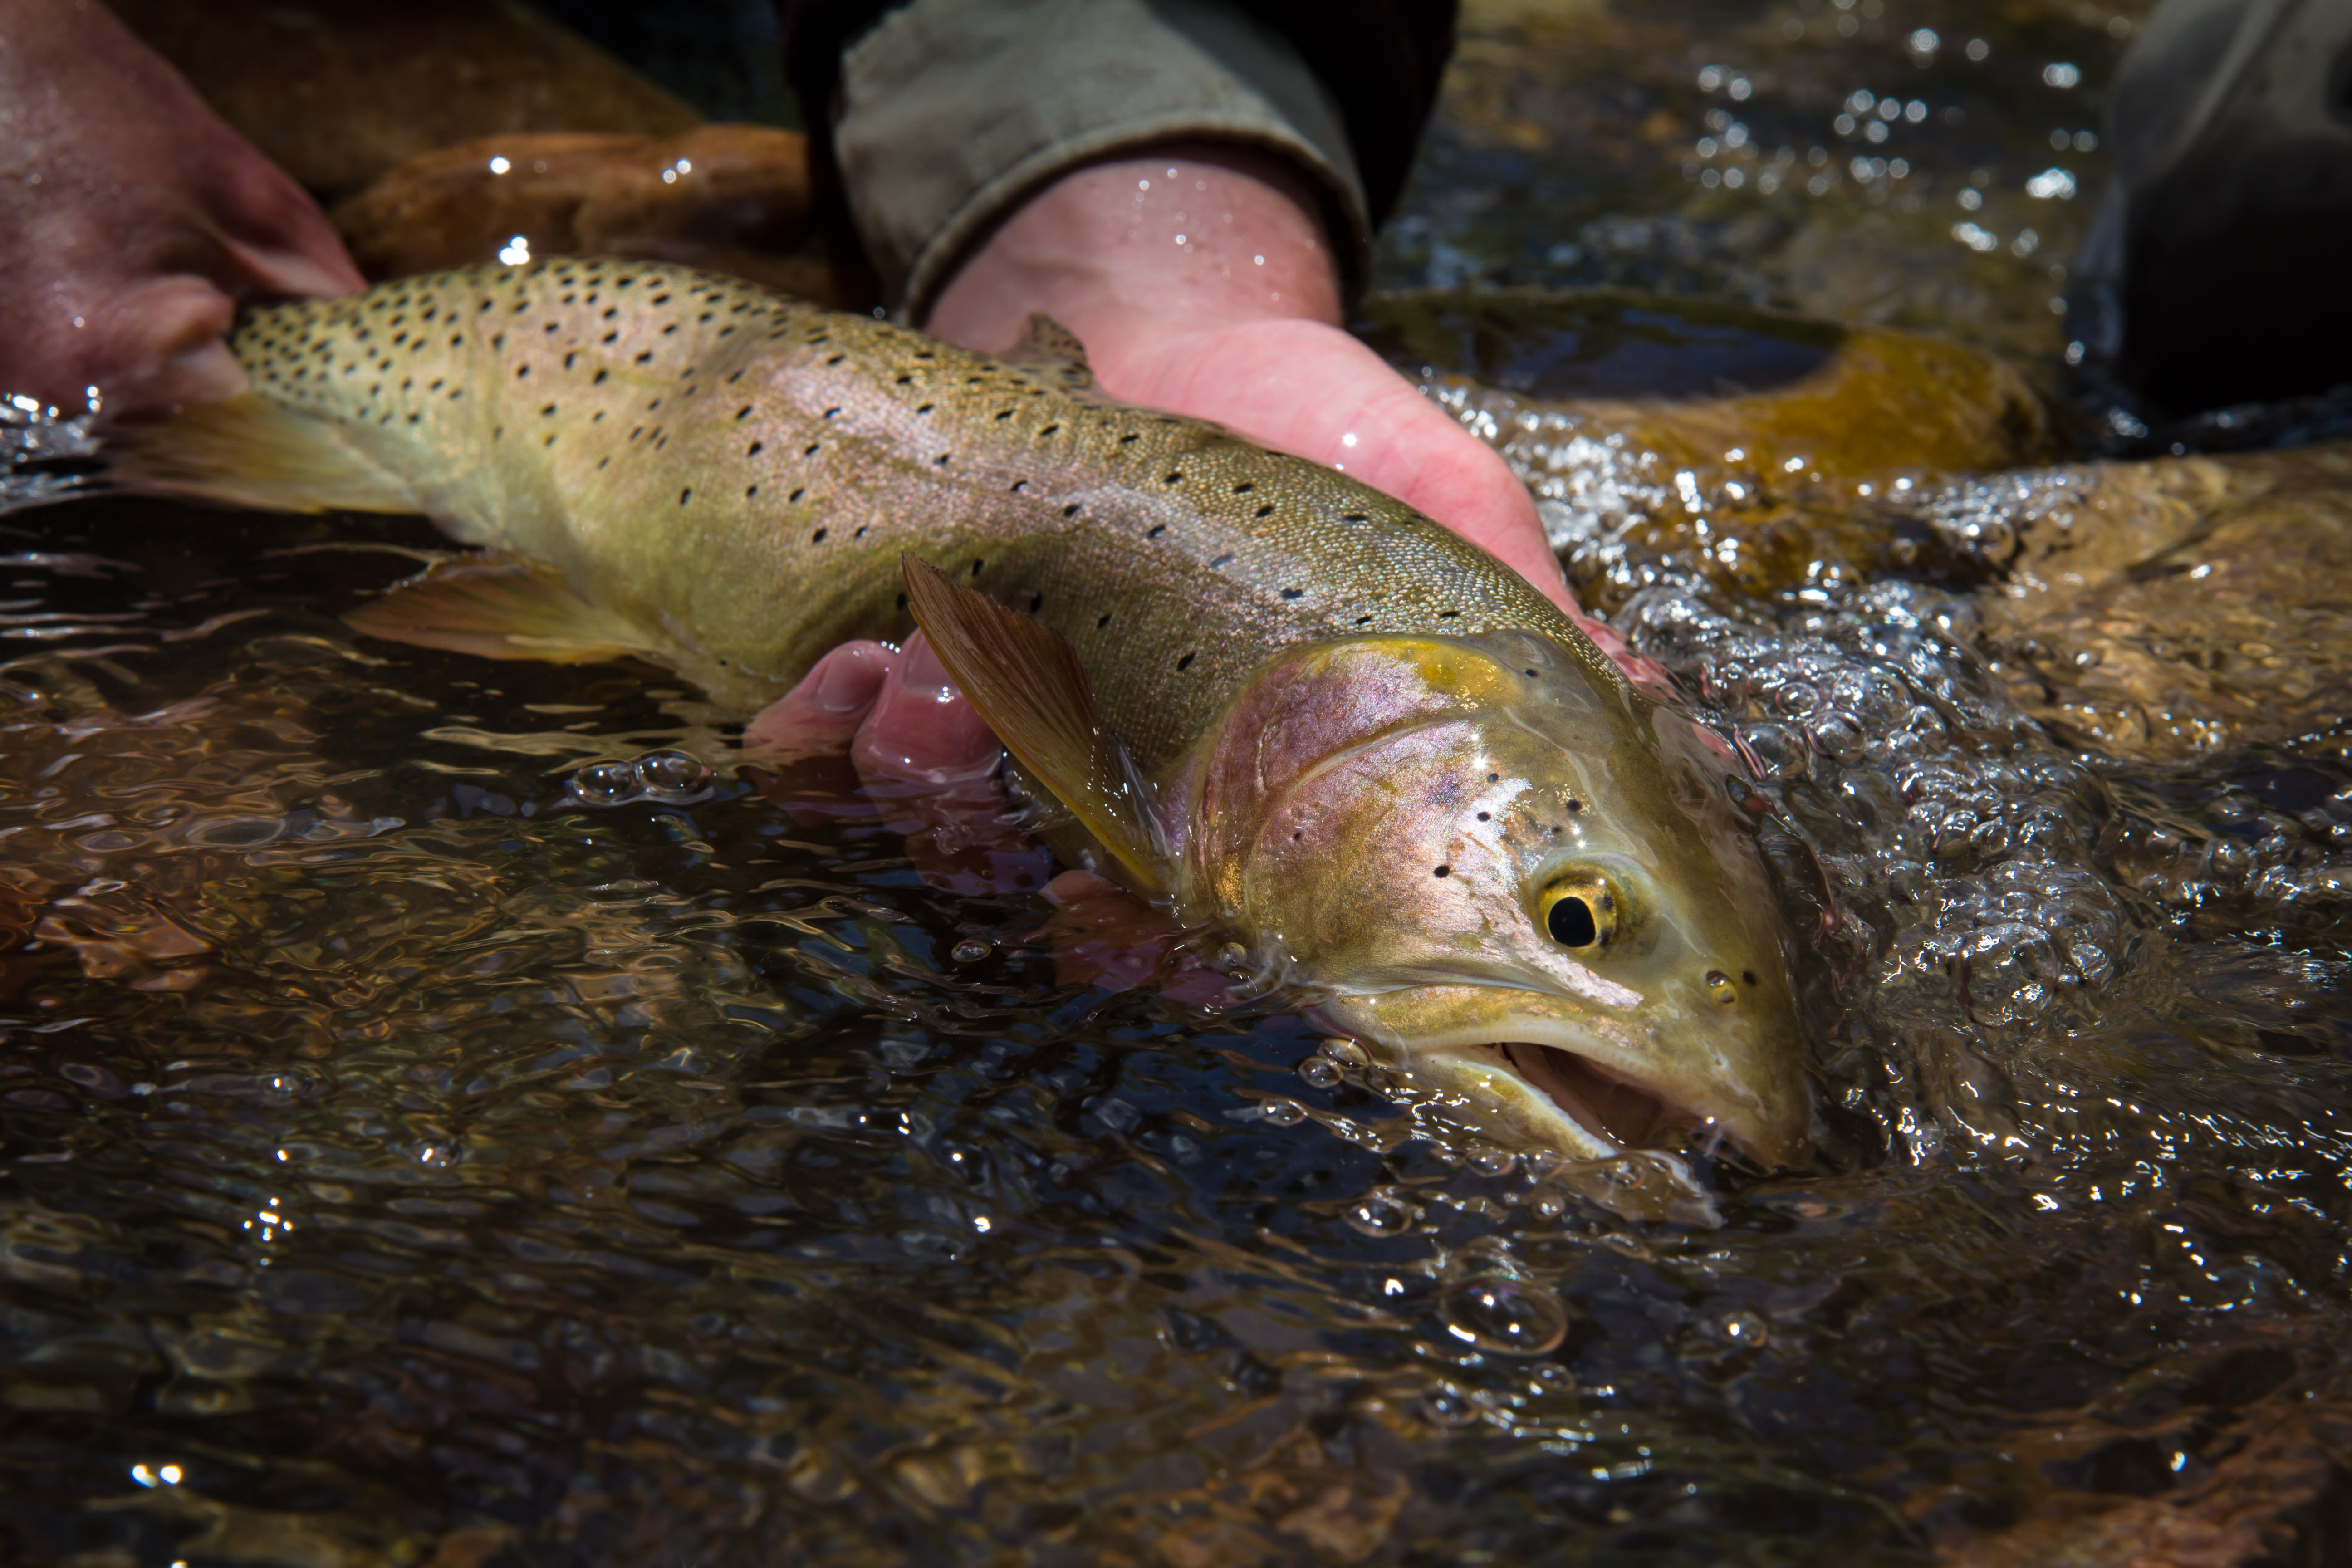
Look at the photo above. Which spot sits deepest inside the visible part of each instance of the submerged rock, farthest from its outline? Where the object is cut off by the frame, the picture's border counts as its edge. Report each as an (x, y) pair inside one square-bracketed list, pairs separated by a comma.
[(335, 94), (2172, 607), (731, 198), (1754, 449)]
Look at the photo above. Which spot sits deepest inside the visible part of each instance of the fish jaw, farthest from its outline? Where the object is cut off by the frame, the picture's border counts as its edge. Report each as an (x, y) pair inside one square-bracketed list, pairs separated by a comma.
[(1530, 1070), (1386, 828)]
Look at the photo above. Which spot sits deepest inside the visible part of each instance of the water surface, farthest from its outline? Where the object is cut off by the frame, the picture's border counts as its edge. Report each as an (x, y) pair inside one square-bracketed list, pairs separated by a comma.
[(421, 1144)]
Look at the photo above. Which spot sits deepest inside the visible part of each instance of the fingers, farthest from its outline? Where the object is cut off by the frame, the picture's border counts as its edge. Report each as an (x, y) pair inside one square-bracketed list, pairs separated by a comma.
[(921, 736), (820, 717)]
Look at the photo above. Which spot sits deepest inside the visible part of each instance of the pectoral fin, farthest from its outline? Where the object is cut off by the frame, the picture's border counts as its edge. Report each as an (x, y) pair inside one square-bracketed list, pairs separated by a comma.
[(1028, 685), (498, 606)]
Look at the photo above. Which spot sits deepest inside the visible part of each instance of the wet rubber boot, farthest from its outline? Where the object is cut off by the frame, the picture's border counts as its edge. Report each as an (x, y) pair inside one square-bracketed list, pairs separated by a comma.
[(2219, 270)]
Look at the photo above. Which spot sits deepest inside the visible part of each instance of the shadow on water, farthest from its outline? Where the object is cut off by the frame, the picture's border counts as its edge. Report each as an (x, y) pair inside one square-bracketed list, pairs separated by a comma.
[(1602, 343)]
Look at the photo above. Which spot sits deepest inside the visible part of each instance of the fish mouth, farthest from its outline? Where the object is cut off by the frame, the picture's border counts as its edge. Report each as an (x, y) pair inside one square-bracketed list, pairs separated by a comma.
[(1587, 1089), (1611, 1112)]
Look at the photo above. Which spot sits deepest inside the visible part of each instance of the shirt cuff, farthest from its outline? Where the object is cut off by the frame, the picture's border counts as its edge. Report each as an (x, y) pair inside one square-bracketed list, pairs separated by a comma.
[(951, 112)]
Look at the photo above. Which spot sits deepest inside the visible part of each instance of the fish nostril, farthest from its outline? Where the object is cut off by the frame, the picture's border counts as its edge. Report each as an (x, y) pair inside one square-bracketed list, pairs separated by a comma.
[(1719, 987)]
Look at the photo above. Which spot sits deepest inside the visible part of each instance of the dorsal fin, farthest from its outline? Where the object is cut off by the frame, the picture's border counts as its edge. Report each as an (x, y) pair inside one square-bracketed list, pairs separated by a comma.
[(499, 606), (1044, 341), (1028, 684)]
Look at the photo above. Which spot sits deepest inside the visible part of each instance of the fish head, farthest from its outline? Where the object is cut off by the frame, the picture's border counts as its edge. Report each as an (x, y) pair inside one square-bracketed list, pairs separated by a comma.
[(1522, 884)]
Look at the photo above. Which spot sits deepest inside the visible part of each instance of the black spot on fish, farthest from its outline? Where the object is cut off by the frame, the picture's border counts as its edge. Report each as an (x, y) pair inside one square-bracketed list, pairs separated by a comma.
[(754, 449), (942, 460), (1185, 663), (830, 412), (1071, 509), (1576, 805), (1748, 976), (646, 357), (817, 538), (1266, 510), (1048, 430), (860, 534), (976, 566), (1354, 517), (751, 490), (686, 495), (1442, 871), (1130, 435), (1363, 620), (1292, 593), (1175, 477), (1485, 817), (1449, 614), (546, 411), (1531, 674), (1036, 602), (927, 407), (1102, 622), (744, 412), (1020, 485), (1243, 488), (1155, 530)]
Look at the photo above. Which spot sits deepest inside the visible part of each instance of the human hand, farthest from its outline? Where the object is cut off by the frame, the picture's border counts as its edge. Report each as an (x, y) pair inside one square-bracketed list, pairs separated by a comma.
[(136, 220), (1200, 281)]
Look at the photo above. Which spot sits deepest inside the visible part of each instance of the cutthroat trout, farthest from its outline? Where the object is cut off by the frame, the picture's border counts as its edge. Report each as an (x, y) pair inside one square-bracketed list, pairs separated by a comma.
[(1288, 708)]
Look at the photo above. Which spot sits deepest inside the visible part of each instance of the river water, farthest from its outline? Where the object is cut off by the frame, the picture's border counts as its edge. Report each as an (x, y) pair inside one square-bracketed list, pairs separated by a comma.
[(443, 1121)]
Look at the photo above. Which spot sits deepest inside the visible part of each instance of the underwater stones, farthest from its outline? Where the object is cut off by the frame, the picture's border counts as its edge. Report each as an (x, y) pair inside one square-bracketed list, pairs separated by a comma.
[(2174, 608), (336, 94), (730, 198), (1755, 450)]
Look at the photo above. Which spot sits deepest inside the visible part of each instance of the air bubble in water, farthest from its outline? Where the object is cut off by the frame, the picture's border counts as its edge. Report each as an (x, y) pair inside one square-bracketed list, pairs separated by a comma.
[(1381, 1214), (669, 773), (605, 783), (1489, 1161), (1321, 1072), (1447, 1405), (1348, 1053), (1283, 1112), (1503, 1313), (1744, 1330)]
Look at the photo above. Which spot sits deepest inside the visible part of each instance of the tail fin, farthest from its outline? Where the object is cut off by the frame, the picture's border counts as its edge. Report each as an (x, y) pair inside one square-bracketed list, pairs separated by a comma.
[(251, 451)]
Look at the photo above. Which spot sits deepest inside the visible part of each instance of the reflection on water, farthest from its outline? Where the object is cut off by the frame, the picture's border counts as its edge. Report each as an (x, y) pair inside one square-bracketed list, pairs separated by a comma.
[(1930, 164), (451, 1116)]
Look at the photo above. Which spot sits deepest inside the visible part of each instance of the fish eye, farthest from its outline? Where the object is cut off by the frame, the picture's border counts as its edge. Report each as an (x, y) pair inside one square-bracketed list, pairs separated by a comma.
[(1581, 909)]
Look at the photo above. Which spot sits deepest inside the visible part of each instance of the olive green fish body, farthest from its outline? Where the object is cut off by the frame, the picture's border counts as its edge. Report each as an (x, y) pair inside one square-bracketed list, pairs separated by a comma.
[(739, 472), (1379, 759)]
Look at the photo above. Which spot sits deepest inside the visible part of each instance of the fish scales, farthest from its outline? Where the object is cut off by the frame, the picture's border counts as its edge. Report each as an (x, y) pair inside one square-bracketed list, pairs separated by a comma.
[(792, 453)]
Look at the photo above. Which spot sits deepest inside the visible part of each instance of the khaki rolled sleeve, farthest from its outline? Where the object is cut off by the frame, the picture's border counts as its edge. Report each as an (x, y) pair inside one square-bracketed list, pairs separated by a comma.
[(950, 112)]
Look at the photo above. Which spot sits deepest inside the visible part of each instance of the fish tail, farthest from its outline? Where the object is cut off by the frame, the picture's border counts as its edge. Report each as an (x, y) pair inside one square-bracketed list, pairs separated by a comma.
[(251, 451)]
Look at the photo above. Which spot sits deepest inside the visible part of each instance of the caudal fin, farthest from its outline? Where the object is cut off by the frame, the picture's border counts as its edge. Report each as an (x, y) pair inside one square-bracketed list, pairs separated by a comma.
[(250, 451)]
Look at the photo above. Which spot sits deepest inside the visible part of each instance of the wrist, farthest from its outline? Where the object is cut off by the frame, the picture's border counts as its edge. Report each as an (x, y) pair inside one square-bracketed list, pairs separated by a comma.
[(1132, 251)]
